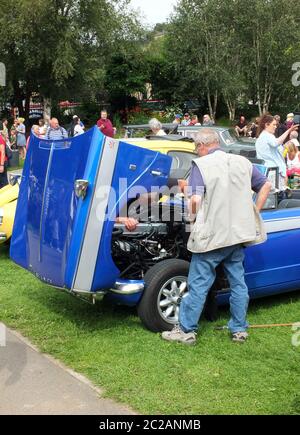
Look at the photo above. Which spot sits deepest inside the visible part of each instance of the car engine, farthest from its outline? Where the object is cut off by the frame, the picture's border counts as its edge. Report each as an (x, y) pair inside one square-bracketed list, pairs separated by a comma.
[(161, 236)]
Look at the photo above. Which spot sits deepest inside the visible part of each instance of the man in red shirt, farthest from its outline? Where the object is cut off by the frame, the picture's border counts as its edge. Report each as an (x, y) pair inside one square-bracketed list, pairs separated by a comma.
[(105, 125)]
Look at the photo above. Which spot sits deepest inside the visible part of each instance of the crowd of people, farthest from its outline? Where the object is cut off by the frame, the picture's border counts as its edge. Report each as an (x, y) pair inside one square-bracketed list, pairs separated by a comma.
[(14, 138), (190, 121), (243, 128)]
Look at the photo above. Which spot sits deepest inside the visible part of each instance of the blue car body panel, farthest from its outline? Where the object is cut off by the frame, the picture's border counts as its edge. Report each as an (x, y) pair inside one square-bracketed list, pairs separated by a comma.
[(66, 241), (48, 210)]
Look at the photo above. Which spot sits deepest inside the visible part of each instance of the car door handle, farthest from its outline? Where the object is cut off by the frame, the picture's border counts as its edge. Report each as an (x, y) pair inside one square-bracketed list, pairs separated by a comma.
[(81, 187), (156, 173)]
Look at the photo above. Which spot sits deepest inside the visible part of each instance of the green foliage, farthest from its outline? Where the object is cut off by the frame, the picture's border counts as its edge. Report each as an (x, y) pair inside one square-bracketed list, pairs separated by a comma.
[(126, 76), (224, 53), (60, 49), (89, 113), (235, 49), (138, 117)]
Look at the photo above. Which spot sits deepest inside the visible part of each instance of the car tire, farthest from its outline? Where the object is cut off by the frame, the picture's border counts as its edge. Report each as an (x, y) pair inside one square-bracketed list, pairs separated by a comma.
[(166, 276)]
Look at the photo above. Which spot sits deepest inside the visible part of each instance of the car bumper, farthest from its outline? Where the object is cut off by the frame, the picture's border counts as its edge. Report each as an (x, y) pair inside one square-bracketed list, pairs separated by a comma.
[(128, 293), (125, 288), (128, 288)]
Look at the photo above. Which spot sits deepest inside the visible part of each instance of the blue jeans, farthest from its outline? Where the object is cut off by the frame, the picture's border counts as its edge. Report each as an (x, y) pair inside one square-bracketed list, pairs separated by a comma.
[(202, 276)]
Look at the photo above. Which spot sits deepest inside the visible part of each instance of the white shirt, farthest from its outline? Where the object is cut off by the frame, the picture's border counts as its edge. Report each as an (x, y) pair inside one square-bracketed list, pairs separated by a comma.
[(78, 130), (161, 133), (268, 150), (295, 163)]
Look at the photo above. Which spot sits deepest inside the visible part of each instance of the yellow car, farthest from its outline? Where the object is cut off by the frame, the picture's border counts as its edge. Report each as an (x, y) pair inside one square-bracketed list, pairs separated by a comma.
[(8, 204)]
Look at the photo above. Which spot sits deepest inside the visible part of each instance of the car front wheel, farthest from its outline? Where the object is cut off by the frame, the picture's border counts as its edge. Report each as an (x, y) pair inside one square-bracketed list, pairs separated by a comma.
[(165, 286)]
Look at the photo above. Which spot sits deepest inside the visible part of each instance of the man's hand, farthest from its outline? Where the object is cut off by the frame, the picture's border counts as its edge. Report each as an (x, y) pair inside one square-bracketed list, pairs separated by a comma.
[(130, 223), (1, 169), (182, 184)]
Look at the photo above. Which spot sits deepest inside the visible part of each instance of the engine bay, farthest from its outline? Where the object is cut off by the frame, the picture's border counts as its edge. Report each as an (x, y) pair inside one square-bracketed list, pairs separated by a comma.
[(160, 235)]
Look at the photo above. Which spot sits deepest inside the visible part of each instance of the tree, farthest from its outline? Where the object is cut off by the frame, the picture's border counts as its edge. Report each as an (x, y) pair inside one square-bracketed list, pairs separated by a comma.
[(269, 33), (198, 48), (58, 48), (235, 49)]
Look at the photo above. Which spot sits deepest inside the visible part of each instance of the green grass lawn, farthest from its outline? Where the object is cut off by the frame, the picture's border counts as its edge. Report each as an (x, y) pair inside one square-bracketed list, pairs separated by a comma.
[(109, 345)]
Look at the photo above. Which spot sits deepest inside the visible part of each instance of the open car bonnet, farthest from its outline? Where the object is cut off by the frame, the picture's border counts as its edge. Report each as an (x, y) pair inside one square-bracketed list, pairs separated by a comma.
[(71, 192)]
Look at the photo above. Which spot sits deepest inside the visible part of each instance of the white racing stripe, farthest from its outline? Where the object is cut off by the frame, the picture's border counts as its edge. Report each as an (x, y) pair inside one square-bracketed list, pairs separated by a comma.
[(279, 225), (90, 248)]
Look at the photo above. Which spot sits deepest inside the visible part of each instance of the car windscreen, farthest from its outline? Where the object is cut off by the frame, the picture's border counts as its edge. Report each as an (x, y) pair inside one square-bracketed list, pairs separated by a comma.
[(181, 164), (228, 139)]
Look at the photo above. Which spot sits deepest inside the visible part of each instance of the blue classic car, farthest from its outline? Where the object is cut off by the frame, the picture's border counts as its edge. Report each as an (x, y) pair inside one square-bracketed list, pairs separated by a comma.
[(65, 230)]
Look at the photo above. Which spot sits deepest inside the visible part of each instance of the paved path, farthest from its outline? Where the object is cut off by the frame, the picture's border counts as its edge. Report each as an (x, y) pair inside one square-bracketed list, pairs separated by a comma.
[(33, 383)]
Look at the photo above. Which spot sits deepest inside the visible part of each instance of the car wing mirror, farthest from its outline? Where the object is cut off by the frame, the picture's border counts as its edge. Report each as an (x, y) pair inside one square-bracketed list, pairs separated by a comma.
[(81, 187)]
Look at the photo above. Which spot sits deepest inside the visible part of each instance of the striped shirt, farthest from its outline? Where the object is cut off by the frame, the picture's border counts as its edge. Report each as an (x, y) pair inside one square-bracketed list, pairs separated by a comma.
[(56, 133)]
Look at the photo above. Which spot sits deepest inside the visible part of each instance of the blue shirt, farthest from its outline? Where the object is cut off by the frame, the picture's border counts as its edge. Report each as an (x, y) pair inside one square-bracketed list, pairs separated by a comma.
[(56, 134), (198, 186), (268, 150)]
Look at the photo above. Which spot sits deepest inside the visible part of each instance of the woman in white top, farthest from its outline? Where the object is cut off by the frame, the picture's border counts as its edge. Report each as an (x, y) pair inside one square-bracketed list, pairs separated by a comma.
[(76, 129), (294, 139), (268, 147), (293, 160)]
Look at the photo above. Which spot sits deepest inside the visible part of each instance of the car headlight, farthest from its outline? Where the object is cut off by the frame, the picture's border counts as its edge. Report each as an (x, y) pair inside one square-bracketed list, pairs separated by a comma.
[(1, 216)]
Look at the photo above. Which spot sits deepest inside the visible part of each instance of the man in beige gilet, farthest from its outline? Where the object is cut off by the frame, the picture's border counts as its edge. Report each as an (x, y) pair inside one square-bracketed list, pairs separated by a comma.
[(225, 220)]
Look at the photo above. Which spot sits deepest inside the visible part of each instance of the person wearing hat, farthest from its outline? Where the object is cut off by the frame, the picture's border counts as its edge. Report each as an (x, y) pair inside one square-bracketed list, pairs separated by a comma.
[(177, 120), (186, 119), (21, 137), (80, 122)]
